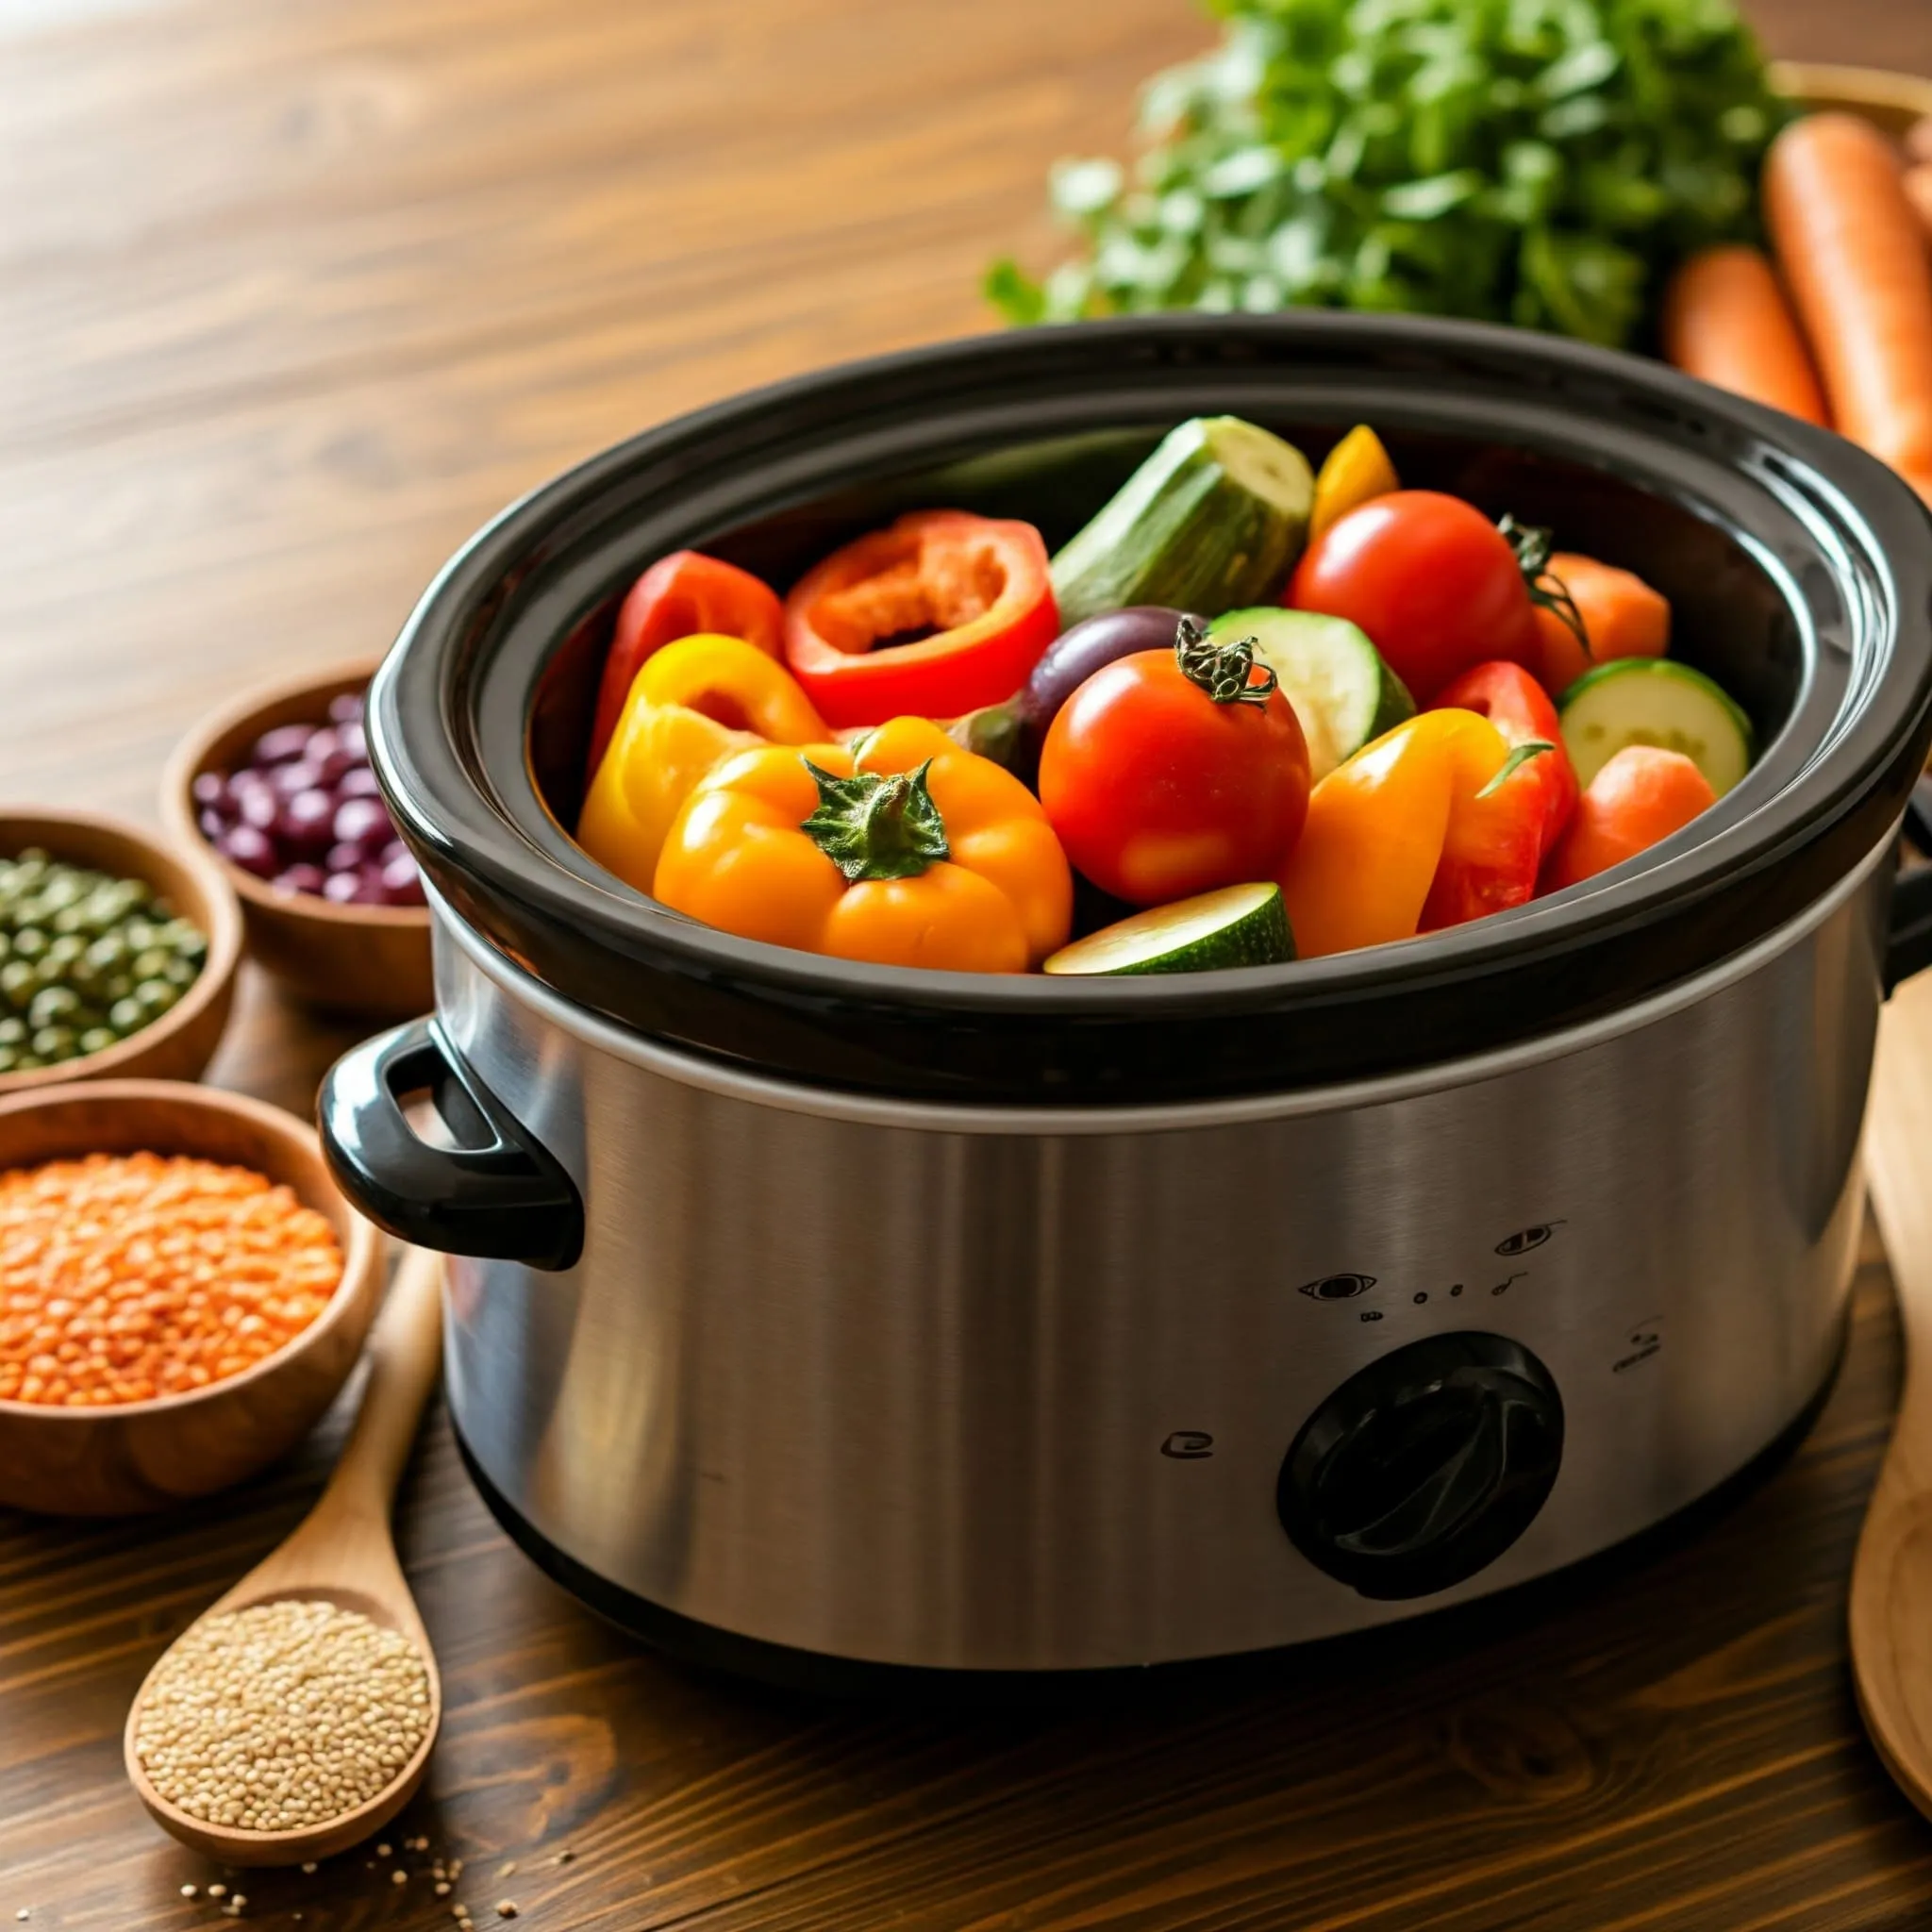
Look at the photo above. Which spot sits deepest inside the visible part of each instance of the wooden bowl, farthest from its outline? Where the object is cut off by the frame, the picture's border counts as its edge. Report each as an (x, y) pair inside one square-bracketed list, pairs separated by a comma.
[(181, 1042), (136, 1457), (371, 960), (1894, 101)]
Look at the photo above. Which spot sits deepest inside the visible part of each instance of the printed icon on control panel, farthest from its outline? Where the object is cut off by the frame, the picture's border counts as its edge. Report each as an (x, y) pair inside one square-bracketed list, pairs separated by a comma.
[(1645, 1339), (1525, 1239), (1339, 1288), (1189, 1445)]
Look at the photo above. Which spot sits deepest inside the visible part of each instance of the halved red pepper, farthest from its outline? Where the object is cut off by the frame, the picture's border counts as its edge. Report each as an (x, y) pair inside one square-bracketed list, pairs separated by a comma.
[(1520, 709), (937, 614), (686, 595)]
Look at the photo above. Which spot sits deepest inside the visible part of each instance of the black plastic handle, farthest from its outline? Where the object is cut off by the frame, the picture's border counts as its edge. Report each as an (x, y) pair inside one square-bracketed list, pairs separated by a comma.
[(496, 1193)]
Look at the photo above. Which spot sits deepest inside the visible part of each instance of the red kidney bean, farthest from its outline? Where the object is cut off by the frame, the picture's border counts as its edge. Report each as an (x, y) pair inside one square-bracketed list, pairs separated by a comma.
[(257, 806), (251, 848), (299, 776), (364, 823), (304, 825), (304, 810), (280, 746), (402, 884)]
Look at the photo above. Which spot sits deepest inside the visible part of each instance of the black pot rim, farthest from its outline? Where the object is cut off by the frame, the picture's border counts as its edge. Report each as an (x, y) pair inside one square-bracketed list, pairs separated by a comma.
[(1844, 539)]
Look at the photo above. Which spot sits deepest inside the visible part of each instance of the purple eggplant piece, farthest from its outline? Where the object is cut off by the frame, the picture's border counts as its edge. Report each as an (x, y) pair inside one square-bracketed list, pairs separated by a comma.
[(1011, 734)]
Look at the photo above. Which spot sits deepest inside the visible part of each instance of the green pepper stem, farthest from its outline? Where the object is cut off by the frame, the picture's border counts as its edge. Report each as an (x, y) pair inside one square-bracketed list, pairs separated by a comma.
[(876, 826), (1518, 756)]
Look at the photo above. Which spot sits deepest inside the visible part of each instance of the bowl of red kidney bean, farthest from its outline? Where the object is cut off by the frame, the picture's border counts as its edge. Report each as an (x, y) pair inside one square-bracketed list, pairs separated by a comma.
[(279, 784)]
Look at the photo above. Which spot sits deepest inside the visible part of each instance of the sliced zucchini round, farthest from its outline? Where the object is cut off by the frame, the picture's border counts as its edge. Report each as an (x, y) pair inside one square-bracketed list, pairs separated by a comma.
[(1659, 702), (1344, 696), (1237, 926)]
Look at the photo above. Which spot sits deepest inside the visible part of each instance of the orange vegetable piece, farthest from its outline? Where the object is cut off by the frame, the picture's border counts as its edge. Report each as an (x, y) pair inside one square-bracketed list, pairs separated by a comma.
[(1623, 617), (1638, 798), (740, 859), (1852, 251), (1726, 320)]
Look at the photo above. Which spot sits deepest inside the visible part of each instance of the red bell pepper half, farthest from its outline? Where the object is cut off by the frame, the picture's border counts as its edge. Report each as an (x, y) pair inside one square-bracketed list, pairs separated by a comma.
[(935, 616), (686, 595), (1497, 847), (1520, 709)]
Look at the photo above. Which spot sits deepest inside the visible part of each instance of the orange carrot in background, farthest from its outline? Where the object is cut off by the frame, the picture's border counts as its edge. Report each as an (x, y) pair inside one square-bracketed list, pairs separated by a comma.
[(1854, 259), (1726, 320), (1919, 192), (1623, 617)]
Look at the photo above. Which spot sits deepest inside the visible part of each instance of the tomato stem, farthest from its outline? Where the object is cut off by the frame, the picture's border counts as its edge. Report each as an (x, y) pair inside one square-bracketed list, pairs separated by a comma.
[(1223, 670), (877, 828), (1547, 590)]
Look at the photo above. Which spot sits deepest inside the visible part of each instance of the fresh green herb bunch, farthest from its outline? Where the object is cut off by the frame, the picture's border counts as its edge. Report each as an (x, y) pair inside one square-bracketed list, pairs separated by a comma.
[(1543, 163), (85, 960)]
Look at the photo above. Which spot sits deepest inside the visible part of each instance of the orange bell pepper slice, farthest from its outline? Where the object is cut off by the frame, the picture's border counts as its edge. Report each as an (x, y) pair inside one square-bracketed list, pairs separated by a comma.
[(902, 850), (1405, 837)]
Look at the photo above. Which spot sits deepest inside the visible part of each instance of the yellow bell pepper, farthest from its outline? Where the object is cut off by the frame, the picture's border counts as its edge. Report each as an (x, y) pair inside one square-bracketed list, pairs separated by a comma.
[(691, 706), (1379, 829), (903, 850), (1356, 471)]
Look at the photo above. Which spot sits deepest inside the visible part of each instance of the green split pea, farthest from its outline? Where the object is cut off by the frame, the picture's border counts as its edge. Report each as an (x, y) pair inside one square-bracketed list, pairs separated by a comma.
[(85, 960)]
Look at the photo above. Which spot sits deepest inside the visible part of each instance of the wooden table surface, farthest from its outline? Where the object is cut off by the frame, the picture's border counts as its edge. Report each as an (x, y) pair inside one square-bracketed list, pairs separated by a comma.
[(291, 297)]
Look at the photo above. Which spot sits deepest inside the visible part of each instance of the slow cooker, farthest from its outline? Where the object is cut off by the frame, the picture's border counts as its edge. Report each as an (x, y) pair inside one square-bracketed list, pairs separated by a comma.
[(805, 1312)]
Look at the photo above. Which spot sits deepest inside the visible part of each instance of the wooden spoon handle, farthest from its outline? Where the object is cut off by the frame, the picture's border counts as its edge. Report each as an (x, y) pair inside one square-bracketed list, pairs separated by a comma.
[(1898, 1155), (1890, 1611), (405, 1354)]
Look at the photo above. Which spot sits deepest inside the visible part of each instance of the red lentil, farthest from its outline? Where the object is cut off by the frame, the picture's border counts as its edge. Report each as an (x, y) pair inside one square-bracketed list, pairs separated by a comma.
[(128, 1277)]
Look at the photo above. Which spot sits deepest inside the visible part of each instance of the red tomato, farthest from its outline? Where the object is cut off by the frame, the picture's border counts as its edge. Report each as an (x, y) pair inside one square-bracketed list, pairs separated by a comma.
[(1158, 790), (1433, 582)]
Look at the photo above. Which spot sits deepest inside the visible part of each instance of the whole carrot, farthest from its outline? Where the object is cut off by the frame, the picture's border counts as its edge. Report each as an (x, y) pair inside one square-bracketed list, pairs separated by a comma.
[(1854, 257), (1726, 320)]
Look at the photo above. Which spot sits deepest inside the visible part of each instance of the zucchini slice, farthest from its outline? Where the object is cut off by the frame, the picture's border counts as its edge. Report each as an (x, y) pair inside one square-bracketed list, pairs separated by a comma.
[(1215, 517), (1344, 696), (1655, 701), (1238, 926)]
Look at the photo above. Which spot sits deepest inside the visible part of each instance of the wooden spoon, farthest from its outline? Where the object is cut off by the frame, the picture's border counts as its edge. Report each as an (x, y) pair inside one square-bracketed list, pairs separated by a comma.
[(1892, 1578), (343, 1552)]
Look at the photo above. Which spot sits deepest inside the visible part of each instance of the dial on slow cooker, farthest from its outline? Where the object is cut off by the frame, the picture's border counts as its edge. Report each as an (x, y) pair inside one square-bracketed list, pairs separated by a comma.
[(1422, 1467)]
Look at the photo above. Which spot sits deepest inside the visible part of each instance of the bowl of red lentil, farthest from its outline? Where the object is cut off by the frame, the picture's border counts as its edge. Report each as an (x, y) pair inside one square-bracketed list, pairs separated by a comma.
[(183, 1291)]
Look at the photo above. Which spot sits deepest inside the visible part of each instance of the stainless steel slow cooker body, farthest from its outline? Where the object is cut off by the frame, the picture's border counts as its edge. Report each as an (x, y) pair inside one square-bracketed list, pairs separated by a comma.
[(811, 1311)]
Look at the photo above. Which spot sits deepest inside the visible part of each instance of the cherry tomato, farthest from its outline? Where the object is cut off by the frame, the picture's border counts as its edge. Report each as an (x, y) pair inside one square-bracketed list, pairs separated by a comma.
[(1436, 585), (1160, 790)]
